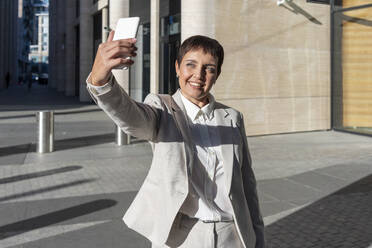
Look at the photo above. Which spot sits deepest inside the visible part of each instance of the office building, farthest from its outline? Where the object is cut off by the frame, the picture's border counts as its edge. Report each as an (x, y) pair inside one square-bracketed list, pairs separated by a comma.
[(290, 66)]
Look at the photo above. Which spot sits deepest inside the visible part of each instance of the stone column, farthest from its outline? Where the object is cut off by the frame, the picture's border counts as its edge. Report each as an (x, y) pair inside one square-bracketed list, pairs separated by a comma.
[(14, 42), (154, 47), (11, 40), (5, 54), (19, 38), (9, 37), (105, 23), (2, 40), (86, 47), (119, 9), (198, 17), (53, 62), (61, 31), (70, 48)]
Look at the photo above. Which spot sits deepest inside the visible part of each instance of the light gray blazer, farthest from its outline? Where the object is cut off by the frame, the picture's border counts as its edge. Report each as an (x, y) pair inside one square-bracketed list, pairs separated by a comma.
[(162, 122)]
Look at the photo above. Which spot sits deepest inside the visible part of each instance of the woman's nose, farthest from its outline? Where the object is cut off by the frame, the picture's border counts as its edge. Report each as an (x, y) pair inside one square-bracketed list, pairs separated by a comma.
[(199, 74)]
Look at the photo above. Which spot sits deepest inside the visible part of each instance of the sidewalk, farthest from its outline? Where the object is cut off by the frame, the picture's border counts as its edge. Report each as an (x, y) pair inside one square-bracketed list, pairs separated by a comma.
[(315, 188)]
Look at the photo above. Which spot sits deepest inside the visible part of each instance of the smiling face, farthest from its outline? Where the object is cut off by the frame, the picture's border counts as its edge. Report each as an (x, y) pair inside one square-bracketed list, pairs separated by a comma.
[(197, 73)]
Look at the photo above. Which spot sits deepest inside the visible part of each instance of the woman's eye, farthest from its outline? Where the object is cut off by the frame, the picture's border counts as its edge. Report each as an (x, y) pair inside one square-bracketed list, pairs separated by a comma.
[(211, 69), (190, 65)]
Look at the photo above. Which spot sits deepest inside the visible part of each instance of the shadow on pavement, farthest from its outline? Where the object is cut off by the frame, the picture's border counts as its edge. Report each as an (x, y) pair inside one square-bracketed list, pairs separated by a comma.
[(64, 144), (54, 217), (342, 219), (12, 150), (64, 215), (39, 174), (45, 189), (111, 234)]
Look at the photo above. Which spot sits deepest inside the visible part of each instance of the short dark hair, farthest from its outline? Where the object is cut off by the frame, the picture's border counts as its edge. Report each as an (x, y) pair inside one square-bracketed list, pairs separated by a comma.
[(209, 45)]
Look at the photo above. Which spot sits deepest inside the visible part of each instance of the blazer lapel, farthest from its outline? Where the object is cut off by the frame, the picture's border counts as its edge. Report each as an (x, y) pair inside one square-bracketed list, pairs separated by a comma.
[(224, 122), (179, 113)]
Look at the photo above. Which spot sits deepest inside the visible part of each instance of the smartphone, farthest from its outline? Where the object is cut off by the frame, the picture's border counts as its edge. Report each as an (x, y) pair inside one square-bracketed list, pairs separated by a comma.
[(126, 28)]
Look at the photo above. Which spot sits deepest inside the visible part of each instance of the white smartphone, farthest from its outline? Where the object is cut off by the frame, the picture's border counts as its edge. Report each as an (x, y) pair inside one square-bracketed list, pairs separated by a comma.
[(126, 28)]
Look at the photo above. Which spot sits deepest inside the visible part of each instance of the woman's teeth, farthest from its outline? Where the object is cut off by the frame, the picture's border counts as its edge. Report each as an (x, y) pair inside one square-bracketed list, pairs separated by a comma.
[(195, 84)]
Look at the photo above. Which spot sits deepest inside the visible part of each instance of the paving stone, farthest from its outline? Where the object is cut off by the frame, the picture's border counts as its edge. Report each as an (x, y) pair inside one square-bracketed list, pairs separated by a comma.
[(272, 208), (288, 191), (319, 181)]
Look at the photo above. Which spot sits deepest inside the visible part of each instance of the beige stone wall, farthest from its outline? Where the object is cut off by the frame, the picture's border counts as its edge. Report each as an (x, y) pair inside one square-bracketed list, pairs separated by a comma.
[(277, 60)]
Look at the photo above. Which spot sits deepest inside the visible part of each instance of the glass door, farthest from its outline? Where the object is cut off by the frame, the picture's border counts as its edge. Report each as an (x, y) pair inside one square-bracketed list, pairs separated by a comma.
[(352, 65)]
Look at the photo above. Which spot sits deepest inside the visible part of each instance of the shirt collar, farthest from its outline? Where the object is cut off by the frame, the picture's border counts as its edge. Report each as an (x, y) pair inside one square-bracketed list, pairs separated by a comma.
[(193, 111)]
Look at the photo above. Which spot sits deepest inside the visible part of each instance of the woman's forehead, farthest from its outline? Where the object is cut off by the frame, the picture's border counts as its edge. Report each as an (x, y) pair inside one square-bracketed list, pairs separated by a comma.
[(199, 53)]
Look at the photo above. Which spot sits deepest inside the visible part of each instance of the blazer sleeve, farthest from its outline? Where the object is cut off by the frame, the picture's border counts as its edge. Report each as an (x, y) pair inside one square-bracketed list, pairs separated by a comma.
[(140, 120), (250, 190)]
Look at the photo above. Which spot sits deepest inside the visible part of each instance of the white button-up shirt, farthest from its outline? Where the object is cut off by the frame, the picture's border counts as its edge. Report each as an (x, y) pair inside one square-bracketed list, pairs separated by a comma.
[(208, 198)]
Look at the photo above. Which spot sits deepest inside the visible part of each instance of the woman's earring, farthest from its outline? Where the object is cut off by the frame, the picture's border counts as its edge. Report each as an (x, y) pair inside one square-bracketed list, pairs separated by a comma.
[(177, 76)]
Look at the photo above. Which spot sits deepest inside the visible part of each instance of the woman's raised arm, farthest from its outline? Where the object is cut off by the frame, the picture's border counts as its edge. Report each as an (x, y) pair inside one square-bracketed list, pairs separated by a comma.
[(110, 55), (135, 118)]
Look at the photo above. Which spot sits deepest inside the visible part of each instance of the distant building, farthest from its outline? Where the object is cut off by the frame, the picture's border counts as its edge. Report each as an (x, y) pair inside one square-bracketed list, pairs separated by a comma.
[(39, 52), (39, 47), (38, 7)]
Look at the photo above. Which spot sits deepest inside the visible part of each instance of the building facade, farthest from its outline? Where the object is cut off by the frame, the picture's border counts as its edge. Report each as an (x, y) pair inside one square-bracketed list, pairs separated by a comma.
[(19, 25), (280, 68)]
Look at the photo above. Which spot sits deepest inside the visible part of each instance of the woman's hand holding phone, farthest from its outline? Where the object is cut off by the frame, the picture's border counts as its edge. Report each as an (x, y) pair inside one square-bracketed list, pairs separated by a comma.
[(110, 55)]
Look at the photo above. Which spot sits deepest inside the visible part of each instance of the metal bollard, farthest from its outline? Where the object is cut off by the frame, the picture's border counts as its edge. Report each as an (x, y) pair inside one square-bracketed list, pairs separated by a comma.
[(121, 138), (45, 137)]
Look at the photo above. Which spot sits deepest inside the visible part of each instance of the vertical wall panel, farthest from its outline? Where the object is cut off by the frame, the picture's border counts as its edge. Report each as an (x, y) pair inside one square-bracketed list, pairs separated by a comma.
[(86, 47)]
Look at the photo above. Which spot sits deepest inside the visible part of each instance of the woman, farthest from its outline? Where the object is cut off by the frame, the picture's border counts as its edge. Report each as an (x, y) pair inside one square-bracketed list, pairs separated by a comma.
[(200, 190)]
